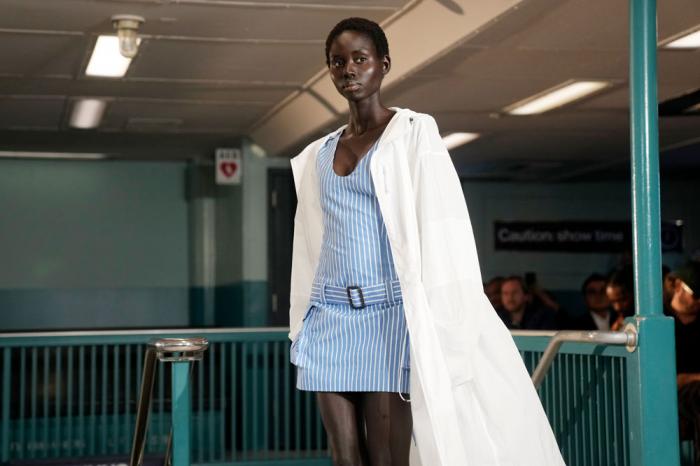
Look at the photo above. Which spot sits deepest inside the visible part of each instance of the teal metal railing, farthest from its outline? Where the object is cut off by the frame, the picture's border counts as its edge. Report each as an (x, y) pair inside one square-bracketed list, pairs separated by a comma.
[(585, 395), (74, 394)]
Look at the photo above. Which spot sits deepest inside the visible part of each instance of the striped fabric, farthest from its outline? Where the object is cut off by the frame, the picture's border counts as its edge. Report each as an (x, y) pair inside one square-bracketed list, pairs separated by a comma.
[(342, 348)]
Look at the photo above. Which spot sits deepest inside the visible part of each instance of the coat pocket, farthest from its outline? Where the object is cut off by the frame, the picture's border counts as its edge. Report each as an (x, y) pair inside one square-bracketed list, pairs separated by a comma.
[(457, 321), (296, 350), (457, 352)]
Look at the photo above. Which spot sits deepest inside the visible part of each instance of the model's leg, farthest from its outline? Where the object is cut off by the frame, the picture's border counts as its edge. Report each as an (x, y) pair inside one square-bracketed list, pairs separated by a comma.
[(389, 426), (342, 417)]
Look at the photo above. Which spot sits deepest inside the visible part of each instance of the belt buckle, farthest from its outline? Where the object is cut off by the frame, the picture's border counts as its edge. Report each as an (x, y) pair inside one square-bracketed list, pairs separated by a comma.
[(362, 297)]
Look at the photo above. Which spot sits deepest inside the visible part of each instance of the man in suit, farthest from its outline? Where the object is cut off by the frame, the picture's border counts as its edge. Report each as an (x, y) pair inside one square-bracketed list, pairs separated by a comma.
[(598, 315), (518, 311)]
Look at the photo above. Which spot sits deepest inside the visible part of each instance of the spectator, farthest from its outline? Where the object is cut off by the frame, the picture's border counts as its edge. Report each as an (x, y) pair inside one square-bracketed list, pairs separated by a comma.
[(598, 315), (685, 305), (518, 311), (620, 292), (492, 288), (669, 281)]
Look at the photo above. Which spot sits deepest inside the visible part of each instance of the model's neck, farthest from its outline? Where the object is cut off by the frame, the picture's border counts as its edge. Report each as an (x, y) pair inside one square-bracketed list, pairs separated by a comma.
[(366, 115)]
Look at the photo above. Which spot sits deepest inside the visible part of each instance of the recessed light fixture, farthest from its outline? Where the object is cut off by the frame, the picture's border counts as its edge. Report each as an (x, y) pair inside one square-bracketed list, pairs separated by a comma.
[(453, 140), (127, 27), (52, 155), (87, 113), (106, 60), (557, 96), (686, 40)]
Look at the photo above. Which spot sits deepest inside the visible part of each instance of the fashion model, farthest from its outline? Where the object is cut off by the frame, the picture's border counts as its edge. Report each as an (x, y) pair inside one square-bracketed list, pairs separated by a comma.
[(388, 320)]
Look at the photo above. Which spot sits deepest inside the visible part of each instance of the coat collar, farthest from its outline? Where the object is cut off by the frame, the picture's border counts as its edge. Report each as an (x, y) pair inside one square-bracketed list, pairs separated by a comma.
[(397, 126)]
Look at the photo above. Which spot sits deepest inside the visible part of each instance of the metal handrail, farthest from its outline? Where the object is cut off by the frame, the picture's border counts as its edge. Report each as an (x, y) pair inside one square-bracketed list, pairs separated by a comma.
[(165, 350), (627, 338)]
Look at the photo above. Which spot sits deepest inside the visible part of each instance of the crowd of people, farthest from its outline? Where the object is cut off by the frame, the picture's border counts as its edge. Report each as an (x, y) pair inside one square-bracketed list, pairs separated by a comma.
[(609, 299)]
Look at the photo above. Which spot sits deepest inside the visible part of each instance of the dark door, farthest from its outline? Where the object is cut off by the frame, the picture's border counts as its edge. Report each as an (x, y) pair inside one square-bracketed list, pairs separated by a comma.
[(282, 200)]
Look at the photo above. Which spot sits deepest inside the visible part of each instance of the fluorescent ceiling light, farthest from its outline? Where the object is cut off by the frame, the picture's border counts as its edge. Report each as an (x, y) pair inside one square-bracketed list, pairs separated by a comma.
[(52, 155), (558, 96), (106, 61), (87, 113), (689, 40), (453, 140)]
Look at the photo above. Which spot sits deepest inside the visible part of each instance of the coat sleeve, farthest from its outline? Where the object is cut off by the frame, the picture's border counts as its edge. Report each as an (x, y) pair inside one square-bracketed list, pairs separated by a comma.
[(450, 272), (302, 272), (447, 239)]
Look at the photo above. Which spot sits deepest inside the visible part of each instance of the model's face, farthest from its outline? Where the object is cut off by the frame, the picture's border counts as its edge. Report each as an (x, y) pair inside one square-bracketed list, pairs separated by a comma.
[(513, 296), (596, 298), (620, 299), (356, 70)]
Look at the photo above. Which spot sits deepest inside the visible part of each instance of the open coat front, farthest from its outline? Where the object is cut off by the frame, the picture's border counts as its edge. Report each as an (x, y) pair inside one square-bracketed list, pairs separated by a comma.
[(472, 400)]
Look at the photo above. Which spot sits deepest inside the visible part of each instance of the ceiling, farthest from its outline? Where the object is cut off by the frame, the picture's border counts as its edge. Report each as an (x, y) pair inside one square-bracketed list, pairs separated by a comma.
[(211, 71)]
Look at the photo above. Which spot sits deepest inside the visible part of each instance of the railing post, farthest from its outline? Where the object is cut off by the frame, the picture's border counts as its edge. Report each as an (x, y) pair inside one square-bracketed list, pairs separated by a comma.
[(6, 385), (179, 351), (652, 376), (182, 414)]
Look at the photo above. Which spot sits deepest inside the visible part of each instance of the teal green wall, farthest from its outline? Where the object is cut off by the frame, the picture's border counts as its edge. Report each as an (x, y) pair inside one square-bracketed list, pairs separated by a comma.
[(240, 291), (92, 244), (489, 202), (110, 244)]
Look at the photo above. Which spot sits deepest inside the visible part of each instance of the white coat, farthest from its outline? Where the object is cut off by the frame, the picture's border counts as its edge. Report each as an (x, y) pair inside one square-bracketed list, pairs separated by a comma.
[(472, 401)]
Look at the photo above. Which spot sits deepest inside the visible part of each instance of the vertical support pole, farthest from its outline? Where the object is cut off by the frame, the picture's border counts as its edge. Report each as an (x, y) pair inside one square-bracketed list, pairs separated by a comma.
[(202, 228), (6, 385), (652, 376), (182, 412)]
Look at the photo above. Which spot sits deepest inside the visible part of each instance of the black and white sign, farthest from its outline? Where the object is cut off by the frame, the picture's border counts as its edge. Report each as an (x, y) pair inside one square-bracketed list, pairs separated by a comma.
[(578, 236)]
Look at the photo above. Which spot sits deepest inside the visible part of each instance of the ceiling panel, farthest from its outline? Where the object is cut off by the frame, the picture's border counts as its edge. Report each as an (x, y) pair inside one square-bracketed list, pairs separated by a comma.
[(35, 55), (31, 112), (195, 117), (267, 20), (207, 90), (217, 67), (577, 25), (244, 62)]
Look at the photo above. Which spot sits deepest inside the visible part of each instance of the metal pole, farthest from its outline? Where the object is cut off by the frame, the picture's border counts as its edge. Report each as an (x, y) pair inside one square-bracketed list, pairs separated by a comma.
[(627, 338), (651, 372), (182, 414), (144, 407), (645, 158)]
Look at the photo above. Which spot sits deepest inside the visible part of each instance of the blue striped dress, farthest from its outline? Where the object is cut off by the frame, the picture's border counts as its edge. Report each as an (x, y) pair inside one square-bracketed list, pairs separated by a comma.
[(341, 348)]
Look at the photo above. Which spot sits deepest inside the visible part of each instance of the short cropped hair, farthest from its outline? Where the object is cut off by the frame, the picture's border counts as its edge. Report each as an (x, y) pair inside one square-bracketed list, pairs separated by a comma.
[(363, 26), (519, 279), (594, 277), (623, 278)]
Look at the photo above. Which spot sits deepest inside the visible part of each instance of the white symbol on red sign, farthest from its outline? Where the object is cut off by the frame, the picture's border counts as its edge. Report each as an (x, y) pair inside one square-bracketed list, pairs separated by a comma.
[(228, 166)]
